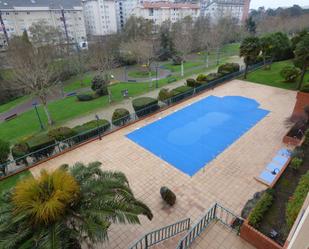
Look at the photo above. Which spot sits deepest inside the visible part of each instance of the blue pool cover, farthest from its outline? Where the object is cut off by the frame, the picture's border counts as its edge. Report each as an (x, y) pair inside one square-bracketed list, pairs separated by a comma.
[(193, 136)]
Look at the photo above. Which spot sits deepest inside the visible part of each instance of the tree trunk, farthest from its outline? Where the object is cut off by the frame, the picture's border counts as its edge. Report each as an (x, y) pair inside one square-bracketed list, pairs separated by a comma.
[(301, 80), (49, 118), (246, 71), (182, 69)]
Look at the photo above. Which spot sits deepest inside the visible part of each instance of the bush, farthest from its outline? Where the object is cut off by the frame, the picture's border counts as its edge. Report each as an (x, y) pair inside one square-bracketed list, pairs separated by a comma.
[(144, 106), (306, 111), (61, 133), (85, 97), (201, 78), (99, 85), (168, 196), (20, 150), (171, 79), (213, 76), (39, 142), (164, 94), (91, 129), (120, 116), (193, 83), (177, 60), (290, 73), (295, 203), (229, 68), (259, 210), (305, 88), (180, 93), (296, 163), (4, 151)]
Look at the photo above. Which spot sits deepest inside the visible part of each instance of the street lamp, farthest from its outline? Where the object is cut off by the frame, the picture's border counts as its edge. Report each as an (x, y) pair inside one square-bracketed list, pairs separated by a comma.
[(98, 125), (157, 83), (38, 115)]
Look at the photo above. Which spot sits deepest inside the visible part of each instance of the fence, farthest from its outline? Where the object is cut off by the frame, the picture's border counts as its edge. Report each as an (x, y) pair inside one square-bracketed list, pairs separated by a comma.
[(215, 213), (161, 234), (17, 164)]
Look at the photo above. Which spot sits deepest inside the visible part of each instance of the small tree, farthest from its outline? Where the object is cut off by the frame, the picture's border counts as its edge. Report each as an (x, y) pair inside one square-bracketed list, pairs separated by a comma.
[(99, 84), (250, 49), (290, 73), (302, 58), (4, 151)]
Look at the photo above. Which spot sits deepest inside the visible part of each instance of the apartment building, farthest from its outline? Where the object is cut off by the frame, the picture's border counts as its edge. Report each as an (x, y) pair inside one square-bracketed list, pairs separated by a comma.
[(215, 9), (159, 12), (100, 17), (124, 9), (18, 15)]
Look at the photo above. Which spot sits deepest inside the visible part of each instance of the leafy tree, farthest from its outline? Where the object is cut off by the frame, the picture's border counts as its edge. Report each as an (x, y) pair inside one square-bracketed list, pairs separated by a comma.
[(298, 37), (99, 84), (267, 47), (281, 48), (251, 26), (250, 49), (302, 57), (166, 42), (67, 208), (137, 28)]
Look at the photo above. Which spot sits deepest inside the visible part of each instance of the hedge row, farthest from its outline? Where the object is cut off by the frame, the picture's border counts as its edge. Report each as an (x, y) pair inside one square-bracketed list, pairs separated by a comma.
[(261, 207), (144, 106), (175, 94), (295, 203)]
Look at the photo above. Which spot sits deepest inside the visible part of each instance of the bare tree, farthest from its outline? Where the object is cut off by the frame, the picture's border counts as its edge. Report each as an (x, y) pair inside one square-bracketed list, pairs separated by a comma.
[(33, 69)]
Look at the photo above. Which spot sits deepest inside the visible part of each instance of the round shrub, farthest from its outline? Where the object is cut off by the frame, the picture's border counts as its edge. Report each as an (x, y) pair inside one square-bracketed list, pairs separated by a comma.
[(296, 163), (201, 78), (42, 145), (20, 150), (228, 68), (4, 151), (99, 85), (164, 94), (290, 73), (168, 196), (192, 83), (120, 116), (85, 97), (61, 133), (144, 106)]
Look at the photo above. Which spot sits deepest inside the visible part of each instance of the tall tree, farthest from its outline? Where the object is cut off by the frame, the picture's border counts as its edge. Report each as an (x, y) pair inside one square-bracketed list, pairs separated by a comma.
[(251, 26), (302, 57), (250, 49), (67, 208), (166, 42), (137, 28)]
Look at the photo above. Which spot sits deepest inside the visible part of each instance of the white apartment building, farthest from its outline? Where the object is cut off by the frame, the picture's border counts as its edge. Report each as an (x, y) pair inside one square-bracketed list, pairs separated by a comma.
[(215, 9), (18, 15), (124, 9), (159, 12), (100, 17)]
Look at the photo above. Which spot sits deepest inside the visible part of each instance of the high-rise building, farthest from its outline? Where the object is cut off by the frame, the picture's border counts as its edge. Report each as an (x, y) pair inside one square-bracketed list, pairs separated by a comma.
[(215, 9), (16, 16), (124, 9), (100, 17)]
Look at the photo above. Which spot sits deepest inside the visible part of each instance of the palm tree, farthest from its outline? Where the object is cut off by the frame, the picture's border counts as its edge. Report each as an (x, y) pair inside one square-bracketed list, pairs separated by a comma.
[(250, 49), (67, 207), (302, 57)]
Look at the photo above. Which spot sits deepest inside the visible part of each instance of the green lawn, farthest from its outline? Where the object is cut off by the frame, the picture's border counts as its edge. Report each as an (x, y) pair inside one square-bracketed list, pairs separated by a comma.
[(272, 77), (187, 65), (10, 182), (141, 74), (10, 105)]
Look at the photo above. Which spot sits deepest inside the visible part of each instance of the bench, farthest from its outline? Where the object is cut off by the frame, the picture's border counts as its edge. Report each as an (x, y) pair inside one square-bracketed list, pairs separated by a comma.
[(11, 117)]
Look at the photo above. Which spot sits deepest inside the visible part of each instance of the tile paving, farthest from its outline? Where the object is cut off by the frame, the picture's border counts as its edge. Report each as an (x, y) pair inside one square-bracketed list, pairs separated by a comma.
[(228, 179)]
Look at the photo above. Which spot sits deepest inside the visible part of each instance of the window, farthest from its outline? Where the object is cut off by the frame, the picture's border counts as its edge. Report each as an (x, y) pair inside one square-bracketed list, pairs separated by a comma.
[(28, 13), (150, 12)]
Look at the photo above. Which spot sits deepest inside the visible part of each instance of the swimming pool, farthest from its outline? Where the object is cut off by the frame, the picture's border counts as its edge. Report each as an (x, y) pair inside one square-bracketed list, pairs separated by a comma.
[(193, 136)]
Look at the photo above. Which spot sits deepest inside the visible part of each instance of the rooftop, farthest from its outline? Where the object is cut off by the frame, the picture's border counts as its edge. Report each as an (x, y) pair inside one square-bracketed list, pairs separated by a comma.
[(37, 4), (169, 5)]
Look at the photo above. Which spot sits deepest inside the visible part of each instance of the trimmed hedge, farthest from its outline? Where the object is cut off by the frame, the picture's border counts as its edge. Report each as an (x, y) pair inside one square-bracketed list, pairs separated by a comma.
[(296, 202), (39, 142), (180, 93), (260, 209), (201, 78), (228, 68), (213, 76), (4, 151), (164, 94), (168, 196), (144, 106), (193, 83), (20, 150), (85, 97), (91, 129), (61, 133), (120, 116)]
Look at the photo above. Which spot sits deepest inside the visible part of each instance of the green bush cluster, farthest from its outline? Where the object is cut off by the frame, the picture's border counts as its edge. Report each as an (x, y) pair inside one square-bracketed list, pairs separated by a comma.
[(213, 76), (228, 68), (39, 142), (193, 83), (164, 94), (120, 116), (144, 106), (180, 93), (20, 150), (4, 151), (99, 84), (305, 88), (296, 163), (290, 73), (61, 133), (260, 209), (295, 203), (177, 60), (168, 196), (201, 78), (92, 127), (85, 97)]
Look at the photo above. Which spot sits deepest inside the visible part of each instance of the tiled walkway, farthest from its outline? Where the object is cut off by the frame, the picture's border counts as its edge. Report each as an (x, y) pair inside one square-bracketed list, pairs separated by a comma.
[(228, 179)]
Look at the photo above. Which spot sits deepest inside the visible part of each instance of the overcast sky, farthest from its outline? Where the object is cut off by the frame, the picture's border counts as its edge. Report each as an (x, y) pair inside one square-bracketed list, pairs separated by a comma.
[(277, 3)]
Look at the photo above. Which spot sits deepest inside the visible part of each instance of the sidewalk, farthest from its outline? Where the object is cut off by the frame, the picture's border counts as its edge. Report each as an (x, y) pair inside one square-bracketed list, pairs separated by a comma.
[(107, 112)]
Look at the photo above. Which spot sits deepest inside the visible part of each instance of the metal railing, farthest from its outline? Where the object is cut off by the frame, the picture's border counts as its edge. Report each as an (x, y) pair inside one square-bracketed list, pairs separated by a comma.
[(215, 213), (161, 234), (17, 164)]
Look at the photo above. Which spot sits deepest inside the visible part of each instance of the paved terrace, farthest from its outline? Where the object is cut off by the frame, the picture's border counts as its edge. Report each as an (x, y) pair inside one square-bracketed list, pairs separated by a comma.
[(228, 179)]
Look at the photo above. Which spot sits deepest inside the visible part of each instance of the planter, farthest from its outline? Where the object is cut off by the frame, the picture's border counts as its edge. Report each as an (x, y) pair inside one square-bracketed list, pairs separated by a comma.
[(256, 238), (294, 141)]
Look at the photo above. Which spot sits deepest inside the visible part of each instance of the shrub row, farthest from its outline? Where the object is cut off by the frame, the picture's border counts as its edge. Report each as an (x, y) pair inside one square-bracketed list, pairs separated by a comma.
[(175, 94), (295, 203), (85, 97), (144, 106), (261, 207)]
